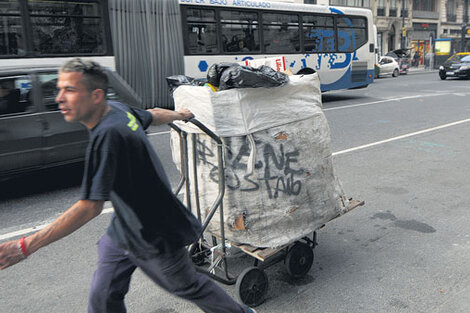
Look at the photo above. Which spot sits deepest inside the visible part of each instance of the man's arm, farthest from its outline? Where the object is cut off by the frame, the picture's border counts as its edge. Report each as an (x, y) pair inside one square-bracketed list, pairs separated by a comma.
[(75, 217), (163, 116)]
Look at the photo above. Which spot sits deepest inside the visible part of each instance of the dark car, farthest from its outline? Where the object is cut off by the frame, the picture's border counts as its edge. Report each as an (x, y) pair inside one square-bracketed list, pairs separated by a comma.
[(457, 65), (33, 132), (402, 56)]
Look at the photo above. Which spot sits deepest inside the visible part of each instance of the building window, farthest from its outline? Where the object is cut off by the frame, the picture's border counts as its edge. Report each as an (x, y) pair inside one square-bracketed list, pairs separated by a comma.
[(450, 11), (351, 3), (393, 8), (424, 5), (381, 8)]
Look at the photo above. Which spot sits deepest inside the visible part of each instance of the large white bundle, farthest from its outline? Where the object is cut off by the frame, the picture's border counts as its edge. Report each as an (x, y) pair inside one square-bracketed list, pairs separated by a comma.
[(237, 112), (280, 180)]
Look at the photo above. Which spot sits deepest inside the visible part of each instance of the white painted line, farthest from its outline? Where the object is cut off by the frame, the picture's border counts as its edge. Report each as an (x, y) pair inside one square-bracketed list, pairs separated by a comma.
[(110, 210), (159, 133), (383, 101), (36, 228), (22, 232), (401, 137)]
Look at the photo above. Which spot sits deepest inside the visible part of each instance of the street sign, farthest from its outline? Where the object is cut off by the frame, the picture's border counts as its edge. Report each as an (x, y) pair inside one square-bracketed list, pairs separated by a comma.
[(403, 31)]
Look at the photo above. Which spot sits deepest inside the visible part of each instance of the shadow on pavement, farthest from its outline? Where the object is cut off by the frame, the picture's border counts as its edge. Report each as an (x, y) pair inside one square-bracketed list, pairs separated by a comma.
[(330, 97), (41, 181)]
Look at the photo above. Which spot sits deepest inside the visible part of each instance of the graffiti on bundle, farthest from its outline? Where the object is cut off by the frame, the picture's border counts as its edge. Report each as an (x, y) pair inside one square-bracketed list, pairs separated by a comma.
[(280, 173)]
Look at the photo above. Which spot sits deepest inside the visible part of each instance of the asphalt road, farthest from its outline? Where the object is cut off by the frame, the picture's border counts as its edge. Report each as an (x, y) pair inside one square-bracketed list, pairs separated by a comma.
[(399, 144)]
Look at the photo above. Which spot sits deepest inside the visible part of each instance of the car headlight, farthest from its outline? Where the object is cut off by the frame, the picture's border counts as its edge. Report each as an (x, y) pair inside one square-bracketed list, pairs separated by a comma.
[(465, 67), (441, 68)]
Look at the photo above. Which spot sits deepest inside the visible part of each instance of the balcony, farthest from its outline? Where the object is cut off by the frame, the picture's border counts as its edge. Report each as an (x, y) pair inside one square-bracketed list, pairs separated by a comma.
[(451, 18), (426, 14), (392, 12)]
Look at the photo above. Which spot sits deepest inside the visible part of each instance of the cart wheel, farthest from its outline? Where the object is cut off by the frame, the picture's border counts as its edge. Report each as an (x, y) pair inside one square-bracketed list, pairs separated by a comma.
[(252, 286), (199, 256), (299, 260)]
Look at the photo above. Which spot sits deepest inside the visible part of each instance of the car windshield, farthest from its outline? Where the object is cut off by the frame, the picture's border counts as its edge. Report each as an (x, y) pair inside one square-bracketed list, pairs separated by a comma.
[(466, 59), (458, 57)]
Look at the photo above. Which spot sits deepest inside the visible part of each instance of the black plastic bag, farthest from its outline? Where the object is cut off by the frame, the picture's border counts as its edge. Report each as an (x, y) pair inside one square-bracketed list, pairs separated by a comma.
[(215, 72), (178, 80), (233, 75)]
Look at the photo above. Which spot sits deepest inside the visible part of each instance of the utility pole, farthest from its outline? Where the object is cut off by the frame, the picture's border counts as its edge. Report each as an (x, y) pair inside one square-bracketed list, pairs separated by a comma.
[(403, 29), (464, 25)]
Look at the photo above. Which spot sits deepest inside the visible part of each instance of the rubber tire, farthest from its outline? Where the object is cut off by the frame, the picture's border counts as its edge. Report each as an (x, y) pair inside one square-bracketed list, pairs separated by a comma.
[(299, 260), (252, 286), (198, 257), (395, 73)]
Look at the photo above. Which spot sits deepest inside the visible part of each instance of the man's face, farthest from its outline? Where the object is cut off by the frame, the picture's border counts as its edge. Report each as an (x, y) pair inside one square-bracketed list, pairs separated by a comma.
[(75, 102)]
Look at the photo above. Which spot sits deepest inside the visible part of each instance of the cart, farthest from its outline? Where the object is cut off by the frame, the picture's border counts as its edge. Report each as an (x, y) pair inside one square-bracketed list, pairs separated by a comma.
[(210, 253)]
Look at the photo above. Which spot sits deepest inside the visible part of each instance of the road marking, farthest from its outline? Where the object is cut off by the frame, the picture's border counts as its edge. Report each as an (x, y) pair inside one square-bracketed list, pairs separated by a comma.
[(383, 101), (25, 231), (110, 210), (401, 137)]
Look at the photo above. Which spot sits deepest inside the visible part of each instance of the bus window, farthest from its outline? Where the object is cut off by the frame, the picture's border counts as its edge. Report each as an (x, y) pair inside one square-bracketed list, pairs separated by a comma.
[(11, 41), (66, 27), (240, 32), (351, 33), (319, 33), (202, 32), (281, 33)]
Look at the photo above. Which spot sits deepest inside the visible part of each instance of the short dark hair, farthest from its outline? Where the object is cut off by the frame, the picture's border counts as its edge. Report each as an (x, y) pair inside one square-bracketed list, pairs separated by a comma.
[(94, 74)]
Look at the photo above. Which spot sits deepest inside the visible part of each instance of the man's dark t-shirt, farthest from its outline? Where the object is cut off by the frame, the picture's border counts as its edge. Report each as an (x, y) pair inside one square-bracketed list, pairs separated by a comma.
[(122, 166)]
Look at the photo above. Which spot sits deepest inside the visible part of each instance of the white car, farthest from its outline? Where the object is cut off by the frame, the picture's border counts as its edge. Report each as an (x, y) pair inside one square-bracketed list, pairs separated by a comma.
[(388, 66)]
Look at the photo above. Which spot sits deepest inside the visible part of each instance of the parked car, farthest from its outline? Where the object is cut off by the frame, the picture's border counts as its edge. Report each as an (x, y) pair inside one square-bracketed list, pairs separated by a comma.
[(456, 66), (387, 66), (403, 58), (33, 132)]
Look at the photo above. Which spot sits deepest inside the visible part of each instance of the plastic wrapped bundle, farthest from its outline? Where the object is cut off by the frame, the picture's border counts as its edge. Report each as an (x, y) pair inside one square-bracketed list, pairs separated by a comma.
[(280, 181)]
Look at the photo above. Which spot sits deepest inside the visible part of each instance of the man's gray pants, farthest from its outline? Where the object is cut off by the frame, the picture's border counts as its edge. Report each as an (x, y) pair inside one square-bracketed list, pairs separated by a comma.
[(173, 271)]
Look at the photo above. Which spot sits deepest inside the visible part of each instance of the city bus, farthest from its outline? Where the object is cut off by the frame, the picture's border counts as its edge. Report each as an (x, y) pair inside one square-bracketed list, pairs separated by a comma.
[(336, 42), (42, 32)]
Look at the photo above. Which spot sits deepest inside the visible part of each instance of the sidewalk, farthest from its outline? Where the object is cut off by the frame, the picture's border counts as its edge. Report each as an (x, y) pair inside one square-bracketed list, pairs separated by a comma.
[(421, 70)]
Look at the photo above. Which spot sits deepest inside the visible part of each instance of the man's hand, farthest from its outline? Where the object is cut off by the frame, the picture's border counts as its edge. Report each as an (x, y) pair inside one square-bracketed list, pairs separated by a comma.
[(185, 114), (10, 254), (164, 116), (75, 217)]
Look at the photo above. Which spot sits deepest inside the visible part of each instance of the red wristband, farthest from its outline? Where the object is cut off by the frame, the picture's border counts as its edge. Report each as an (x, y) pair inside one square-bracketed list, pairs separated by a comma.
[(23, 247)]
